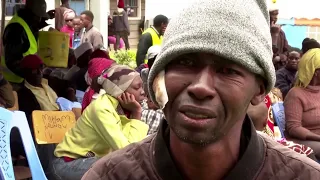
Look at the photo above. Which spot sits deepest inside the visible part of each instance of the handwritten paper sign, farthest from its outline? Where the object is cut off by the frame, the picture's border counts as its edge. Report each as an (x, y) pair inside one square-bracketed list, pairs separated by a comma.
[(51, 126)]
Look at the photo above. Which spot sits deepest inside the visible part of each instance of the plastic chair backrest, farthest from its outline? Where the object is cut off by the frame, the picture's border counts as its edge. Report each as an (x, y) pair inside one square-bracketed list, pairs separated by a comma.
[(9, 120), (279, 116), (1, 174)]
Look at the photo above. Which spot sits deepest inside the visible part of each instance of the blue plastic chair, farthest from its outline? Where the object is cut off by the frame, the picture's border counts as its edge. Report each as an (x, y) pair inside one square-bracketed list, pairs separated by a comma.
[(17, 119), (279, 116), (1, 174)]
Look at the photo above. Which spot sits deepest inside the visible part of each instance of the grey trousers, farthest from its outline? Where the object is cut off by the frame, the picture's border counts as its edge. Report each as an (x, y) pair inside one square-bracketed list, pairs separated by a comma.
[(73, 170)]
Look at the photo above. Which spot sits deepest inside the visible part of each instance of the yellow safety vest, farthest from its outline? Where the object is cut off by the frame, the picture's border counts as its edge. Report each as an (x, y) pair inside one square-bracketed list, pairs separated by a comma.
[(156, 40), (7, 74)]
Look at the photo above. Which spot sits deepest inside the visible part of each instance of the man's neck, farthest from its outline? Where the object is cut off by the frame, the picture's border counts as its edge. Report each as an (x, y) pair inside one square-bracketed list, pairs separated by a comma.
[(291, 69), (207, 162), (89, 27)]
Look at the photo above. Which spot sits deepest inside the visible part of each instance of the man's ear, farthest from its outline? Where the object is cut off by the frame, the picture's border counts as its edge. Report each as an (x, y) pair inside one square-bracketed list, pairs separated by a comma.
[(259, 93)]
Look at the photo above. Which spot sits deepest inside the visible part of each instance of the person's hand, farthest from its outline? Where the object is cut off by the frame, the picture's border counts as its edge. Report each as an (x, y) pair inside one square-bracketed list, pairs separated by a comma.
[(275, 28), (52, 13), (128, 102)]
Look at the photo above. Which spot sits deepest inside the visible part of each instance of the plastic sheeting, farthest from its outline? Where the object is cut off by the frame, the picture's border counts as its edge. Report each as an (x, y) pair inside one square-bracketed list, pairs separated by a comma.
[(295, 35)]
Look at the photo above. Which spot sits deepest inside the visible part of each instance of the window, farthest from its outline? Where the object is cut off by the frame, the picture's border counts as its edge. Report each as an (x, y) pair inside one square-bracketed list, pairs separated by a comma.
[(313, 32), (12, 6), (133, 8)]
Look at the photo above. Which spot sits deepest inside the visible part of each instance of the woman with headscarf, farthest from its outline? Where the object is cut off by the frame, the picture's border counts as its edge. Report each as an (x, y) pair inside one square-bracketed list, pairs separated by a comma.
[(96, 66), (68, 16), (109, 123), (302, 105)]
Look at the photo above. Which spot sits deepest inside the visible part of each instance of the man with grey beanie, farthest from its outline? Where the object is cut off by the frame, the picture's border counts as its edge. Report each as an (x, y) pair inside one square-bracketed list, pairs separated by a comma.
[(215, 60)]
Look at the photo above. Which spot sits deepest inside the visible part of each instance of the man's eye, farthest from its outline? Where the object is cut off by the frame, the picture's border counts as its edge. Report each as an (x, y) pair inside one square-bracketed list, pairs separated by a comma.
[(229, 71), (186, 62)]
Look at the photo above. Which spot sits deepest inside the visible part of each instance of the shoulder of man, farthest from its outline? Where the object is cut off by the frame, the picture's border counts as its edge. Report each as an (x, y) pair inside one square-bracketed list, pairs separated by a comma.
[(285, 163), (133, 161)]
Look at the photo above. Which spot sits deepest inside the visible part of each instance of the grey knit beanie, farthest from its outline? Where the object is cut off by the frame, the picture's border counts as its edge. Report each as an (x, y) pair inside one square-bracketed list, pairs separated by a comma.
[(238, 30)]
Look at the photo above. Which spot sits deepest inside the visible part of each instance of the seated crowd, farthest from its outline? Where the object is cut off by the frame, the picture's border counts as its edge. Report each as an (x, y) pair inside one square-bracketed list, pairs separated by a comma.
[(117, 110)]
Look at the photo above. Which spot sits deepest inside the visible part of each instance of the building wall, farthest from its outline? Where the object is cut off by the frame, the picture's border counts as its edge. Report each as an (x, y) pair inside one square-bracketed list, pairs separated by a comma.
[(134, 23)]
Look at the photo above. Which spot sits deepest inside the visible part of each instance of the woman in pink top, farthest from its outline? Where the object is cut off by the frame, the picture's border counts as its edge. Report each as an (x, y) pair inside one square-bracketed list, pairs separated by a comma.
[(68, 15), (302, 105)]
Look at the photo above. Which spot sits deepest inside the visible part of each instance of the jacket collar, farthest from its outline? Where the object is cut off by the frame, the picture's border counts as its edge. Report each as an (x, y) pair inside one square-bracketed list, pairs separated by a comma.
[(247, 167)]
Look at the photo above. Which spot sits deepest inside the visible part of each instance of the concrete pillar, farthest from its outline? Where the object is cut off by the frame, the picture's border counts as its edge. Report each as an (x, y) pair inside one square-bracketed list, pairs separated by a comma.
[(100, 10)]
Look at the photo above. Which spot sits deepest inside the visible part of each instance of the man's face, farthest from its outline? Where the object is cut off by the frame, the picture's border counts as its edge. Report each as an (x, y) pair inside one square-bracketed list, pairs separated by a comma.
[(77, 24), (163, 28), (84, 20), (293, 60), (208, 95), (34, 76), (69, 22), (274, 16)]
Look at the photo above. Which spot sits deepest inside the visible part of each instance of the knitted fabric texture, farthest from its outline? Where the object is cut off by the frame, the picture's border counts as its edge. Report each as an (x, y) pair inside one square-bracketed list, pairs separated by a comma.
[(237, 30)]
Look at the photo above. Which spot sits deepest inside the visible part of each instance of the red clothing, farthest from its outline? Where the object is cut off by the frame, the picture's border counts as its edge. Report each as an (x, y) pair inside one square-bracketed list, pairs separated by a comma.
[(67, 29)]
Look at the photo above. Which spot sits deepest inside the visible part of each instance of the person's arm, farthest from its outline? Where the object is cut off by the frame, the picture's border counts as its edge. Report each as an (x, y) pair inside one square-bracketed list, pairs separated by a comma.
[(6, 93), (16, 42), (145, 43), (108, 128), (282, 83), (293, 113), (28, 103), (126, 22), (97, 40), (285, 44)]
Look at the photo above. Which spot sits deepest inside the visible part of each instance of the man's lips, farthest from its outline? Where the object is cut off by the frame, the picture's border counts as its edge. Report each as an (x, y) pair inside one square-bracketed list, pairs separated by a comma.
[(197, 113)]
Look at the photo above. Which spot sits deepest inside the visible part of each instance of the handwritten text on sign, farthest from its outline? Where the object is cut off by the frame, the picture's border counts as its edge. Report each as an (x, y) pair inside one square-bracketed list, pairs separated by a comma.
[(51, 126)]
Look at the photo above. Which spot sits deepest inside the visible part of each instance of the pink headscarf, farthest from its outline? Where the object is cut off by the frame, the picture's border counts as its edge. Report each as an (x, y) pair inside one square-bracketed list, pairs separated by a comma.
[(96, 66)]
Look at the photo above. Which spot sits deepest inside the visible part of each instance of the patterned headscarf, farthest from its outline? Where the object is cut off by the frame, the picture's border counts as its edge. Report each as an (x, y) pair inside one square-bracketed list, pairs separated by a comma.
[(96, 66), (309, 62), (119, 79)]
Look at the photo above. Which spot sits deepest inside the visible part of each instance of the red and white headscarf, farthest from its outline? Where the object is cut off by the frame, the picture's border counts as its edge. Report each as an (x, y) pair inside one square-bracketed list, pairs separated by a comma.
[(95, 68)]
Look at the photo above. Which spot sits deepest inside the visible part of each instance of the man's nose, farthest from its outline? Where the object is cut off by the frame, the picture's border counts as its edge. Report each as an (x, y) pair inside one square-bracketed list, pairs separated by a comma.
[(202, 87)]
